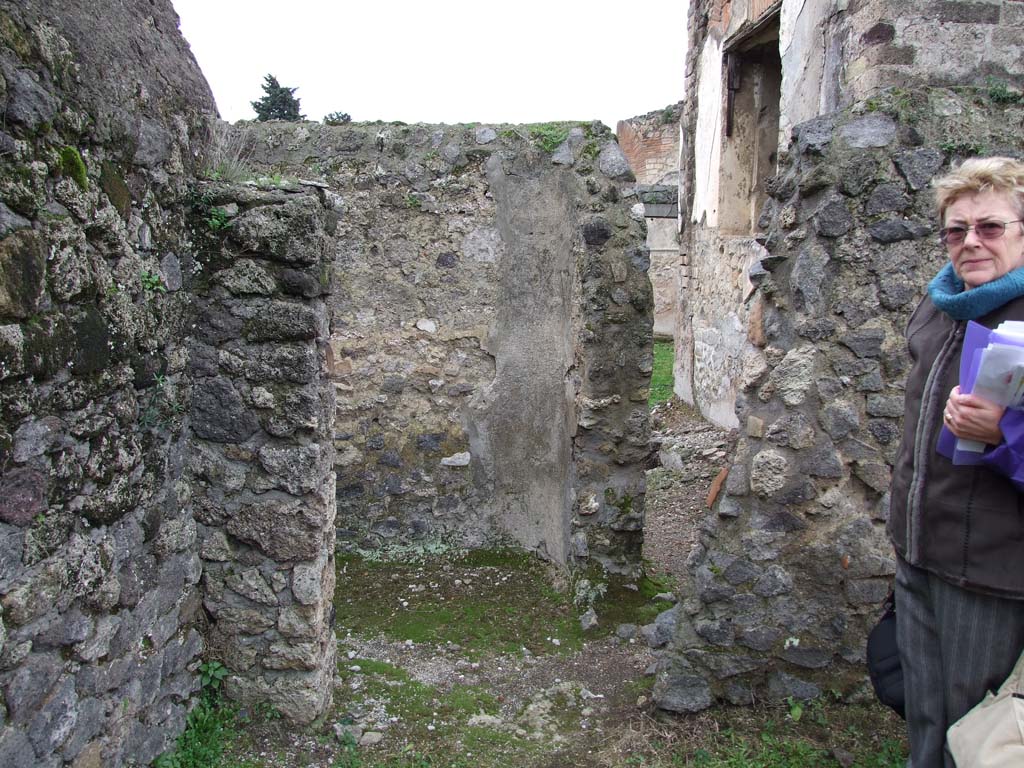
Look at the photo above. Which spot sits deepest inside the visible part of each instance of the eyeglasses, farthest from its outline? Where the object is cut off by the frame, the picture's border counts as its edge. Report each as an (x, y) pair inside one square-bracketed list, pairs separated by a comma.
[(985, 230)]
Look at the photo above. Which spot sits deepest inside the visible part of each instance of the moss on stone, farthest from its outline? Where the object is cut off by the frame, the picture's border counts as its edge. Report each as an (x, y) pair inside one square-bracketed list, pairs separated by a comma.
[(623, 503), (114, 186), (92, 342), (49, 344), (12, 37), (72, 166), (22, 273)]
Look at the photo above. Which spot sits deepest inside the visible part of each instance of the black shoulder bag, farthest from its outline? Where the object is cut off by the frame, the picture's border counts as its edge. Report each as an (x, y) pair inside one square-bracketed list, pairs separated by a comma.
[(884, 660)]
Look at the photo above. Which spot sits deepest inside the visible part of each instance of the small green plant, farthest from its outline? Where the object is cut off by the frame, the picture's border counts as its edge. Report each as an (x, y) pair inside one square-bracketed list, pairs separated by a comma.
[(796, 709), (227, 155), (205, 738), (348, 753), (591, 150), (152, 283), (212, 674), (72, 166), (962, 148), (550, 136), (411, 201), (1000, 93), (217, 219), (337, 118), (586, 593), (163, 408)]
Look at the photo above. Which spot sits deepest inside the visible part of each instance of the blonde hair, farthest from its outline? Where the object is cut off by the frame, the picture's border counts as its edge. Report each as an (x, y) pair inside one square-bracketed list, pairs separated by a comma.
[(977, 175)]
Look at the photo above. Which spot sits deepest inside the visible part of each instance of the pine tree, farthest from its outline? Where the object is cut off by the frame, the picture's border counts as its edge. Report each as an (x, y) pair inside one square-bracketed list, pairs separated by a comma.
[(279, 103)]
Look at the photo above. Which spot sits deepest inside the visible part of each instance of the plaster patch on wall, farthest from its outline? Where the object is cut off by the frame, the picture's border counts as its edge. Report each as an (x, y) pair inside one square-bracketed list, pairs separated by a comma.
[(801, 32), (707, 142)]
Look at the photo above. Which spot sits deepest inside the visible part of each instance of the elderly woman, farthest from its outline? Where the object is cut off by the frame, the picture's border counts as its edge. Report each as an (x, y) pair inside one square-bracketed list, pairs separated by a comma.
[(959, 530)]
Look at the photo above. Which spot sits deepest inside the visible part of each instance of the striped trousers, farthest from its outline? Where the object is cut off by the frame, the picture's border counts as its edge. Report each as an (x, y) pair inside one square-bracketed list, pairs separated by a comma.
[(954, 646)]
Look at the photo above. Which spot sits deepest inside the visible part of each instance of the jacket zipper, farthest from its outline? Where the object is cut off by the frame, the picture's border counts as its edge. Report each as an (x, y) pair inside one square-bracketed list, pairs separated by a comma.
[(924, 438)]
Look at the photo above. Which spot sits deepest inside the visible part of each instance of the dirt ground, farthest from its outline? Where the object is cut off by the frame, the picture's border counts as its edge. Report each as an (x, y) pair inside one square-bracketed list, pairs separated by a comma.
[(458, 663)]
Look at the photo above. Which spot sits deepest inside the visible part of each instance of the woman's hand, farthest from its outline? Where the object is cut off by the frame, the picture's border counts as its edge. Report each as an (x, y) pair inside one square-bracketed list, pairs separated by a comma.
[(973, 418)]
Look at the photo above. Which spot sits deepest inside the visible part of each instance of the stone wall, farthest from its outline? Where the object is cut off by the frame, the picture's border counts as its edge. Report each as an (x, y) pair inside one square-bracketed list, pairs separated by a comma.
[(830, 55), (98, 568), (261, 458), (489, 331), (793, 560), (168, 352), (651, 145)]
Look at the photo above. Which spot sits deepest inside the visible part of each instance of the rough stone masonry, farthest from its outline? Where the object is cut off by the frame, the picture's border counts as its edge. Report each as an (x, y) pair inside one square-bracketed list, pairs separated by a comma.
[(793, 561), (491, 333), (99, 608), (171, 350)]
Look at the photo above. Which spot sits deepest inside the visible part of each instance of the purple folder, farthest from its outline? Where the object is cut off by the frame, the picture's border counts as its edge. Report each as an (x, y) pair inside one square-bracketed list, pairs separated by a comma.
[(976, 339)]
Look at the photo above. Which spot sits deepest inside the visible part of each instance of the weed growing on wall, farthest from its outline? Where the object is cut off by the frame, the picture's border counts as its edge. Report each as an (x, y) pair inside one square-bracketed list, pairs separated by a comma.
[(1000, 93), (228, 154), (550, 136), (208, 727), (152, 282), (218, 219), (337, 118)]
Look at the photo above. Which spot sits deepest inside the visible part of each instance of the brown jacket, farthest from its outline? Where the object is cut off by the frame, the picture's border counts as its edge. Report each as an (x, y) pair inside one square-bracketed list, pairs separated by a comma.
[(964, 524)]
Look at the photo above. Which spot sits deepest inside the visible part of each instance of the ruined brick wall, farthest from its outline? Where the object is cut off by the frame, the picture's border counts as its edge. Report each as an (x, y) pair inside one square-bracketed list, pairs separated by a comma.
[(98, 568), (793, 560), (490, 334), (651, 144)]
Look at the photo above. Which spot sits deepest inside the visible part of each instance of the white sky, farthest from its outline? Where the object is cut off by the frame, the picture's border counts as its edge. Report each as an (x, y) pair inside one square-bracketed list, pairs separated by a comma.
[(446, 61)]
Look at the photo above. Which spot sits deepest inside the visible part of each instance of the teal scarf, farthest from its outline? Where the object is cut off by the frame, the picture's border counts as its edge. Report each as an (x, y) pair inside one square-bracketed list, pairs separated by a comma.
[(948, 294)]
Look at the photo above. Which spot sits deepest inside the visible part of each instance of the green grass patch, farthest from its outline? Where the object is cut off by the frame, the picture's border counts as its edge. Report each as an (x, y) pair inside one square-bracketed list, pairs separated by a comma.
[(499, 557), (371, 667), (769, 737), (661, 377), (485, 609)]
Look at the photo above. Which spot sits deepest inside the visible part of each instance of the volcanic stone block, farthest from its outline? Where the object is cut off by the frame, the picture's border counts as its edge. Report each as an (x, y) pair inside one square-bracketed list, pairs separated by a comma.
[(296, 469), (887, 197), (22, 496), (246, 278), (219, 415), (919, 166), (284, 530), (872, 130), (291, 233), (833, 219), (678, 692), (613, 163), (282, 321), (22, 271)]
